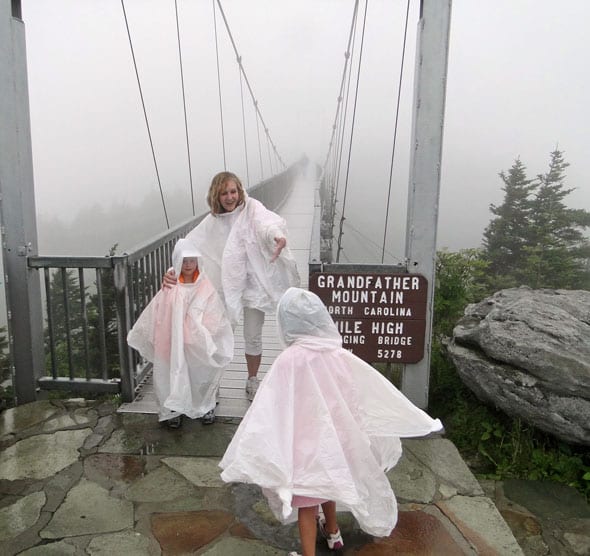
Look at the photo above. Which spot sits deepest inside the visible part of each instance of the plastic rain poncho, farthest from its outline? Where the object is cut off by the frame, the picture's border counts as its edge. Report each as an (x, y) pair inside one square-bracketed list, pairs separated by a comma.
[(236, 250), (185, 333), (323, 424)]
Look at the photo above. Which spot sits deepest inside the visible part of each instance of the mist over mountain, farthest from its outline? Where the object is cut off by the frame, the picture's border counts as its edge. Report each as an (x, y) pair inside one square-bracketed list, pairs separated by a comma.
[(96, 228)]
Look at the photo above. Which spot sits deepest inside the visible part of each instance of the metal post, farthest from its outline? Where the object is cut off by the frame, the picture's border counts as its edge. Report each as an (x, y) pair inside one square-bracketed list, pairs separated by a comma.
[(17, 207), (120, 277), (424, 182)]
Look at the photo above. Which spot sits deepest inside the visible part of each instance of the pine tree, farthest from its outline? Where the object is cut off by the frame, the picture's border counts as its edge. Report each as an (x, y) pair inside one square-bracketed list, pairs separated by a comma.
[(66, 315), (102, 318), (505, 237), (557, 250), (535, 239)]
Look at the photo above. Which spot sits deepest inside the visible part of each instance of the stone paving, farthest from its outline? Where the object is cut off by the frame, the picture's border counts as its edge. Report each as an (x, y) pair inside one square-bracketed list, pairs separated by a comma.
[(78, 478)]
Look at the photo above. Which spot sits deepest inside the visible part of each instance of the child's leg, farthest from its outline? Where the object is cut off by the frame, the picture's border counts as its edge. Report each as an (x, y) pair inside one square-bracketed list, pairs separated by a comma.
[(329, 508), (307, 529)]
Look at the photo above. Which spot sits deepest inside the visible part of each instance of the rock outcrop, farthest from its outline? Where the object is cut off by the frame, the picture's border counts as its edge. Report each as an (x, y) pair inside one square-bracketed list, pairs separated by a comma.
[(527, 352)]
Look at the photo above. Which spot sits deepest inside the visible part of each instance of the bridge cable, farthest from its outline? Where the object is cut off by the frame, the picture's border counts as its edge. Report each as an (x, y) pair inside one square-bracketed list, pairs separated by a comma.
[(339, 248), (219, 88), (399, 94), (371, 242), (243, 72), (259, 147), (145, 114), (268, 149), (350, 35), (337, 127), (344, 114), (244, 123), (188, 151)]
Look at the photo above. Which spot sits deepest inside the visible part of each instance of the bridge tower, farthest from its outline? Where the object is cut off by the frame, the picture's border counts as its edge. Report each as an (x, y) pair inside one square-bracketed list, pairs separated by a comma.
[(17, 206), (430, 79)]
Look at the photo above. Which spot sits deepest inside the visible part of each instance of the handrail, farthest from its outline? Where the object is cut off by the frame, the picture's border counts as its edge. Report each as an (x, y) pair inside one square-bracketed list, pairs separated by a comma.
[(92, 302)]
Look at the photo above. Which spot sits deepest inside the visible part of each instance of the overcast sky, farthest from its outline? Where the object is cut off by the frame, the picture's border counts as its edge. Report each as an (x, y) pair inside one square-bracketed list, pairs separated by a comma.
[(518, 86)]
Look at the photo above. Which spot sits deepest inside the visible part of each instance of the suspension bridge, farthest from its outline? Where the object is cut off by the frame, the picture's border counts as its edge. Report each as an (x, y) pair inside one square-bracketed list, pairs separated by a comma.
[(71, 335), (68, 319)]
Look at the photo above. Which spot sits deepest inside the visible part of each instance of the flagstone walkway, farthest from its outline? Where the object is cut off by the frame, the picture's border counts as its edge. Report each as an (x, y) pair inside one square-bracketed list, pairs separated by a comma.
[(78, 478)]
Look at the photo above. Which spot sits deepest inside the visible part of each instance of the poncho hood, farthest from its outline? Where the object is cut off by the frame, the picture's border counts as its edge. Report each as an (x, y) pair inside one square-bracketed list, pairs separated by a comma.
[(302, 317), (183, 248)]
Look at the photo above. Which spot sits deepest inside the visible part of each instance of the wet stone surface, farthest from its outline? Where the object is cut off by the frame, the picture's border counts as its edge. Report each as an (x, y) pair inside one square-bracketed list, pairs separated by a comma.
[(18, 517), (77, 478), (545, 518), (40, 456), (185, 532), (114, 467), (76, 516), (129, 543), (415, 533), (22, 417)]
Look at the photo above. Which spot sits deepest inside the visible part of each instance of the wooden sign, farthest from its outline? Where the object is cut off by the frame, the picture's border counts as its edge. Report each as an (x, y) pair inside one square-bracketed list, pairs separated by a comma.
[(381, 317)]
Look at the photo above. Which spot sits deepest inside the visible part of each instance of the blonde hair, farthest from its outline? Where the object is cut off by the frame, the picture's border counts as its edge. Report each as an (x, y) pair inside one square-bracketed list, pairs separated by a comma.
[(217, 183)]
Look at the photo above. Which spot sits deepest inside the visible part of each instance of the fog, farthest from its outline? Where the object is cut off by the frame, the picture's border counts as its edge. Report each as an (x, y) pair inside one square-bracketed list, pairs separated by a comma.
[(517, 87)]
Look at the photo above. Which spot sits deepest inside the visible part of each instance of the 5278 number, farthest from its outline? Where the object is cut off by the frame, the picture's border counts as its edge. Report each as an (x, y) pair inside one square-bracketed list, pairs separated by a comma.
[(389, 354)]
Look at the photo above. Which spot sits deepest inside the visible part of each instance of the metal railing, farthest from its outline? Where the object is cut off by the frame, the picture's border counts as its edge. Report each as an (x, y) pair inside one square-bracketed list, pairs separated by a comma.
[(91, 304)]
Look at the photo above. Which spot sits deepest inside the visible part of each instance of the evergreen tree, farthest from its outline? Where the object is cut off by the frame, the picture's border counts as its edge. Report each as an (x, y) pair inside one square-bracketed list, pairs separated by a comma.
[(557, 250), (102, 317), (505, 237), (535, 239), (66, 313)]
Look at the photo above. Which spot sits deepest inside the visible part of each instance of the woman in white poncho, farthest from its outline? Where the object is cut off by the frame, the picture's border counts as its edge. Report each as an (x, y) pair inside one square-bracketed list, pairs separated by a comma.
[(245, 254), (185, 333), (323, 428)]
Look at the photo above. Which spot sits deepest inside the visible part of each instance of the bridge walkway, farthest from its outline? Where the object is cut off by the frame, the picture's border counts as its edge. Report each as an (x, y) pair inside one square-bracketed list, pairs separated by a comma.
[(297, 210)]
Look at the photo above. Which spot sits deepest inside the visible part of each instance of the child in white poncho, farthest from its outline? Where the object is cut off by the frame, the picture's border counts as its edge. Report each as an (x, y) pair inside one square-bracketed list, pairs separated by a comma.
[(323, 429), (245, 255), (184, 332)]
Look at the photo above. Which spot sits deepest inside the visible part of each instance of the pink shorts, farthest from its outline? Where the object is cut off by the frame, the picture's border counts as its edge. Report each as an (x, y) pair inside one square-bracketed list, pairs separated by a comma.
[(306, 501)]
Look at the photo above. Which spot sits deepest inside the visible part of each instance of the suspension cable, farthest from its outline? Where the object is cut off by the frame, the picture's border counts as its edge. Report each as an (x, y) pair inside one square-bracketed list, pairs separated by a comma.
[(344, 115), (399, 94), (219, 88), (350, 35), (334, 155), (268, 149), (352, 132), (243, 72), (370, 242), (188, 150), (244, 123), (145, 114), (259, 147)]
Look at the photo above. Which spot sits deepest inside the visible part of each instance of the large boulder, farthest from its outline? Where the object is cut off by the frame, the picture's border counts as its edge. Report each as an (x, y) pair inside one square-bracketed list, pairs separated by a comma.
[(527, 352)]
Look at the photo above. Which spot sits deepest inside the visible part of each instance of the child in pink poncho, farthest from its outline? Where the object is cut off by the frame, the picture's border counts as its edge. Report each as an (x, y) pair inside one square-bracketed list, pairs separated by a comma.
[(185, 333), (323, 429)]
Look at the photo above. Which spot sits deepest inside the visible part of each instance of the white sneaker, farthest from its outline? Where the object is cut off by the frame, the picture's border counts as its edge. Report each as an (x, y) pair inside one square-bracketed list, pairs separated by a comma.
[(252, 387), (334, 540)]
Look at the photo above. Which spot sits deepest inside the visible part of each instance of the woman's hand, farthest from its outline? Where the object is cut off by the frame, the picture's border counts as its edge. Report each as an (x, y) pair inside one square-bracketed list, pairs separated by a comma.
[(280, 243), (169, 279)]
